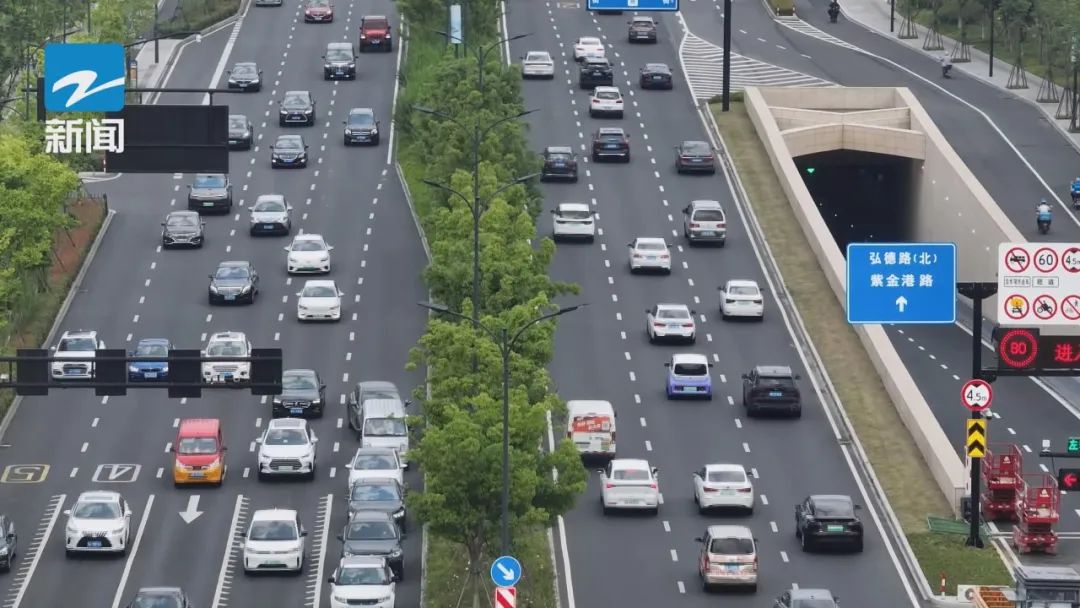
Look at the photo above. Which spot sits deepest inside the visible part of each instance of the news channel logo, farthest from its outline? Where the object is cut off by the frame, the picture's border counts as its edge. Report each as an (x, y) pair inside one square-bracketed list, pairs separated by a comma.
[(84, 77)]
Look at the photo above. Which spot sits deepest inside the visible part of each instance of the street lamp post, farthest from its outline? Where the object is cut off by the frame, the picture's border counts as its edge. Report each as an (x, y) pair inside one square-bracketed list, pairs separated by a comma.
[(481, 54), (506, 343)]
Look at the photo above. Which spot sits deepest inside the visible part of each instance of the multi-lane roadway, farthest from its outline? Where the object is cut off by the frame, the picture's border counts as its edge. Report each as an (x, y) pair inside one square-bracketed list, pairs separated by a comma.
[(71, 441)]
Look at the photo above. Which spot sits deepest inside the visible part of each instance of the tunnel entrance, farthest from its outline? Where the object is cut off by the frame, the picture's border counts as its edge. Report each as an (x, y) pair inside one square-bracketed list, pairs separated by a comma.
[(862, 196)]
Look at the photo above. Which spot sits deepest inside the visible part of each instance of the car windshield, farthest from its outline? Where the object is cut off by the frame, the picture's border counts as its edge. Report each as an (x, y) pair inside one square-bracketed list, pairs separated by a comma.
[(232, 273), (575, 214), (286, 437), (152, 349), (156, 600), (96, 510), (813, 603), (375, 24), (744, 290), (182, 220), (691, 369), (338, 55), (77, 345), (611, 137), (630, 475), (639, 22), (646, 246), (384, 427), (673, 313), (273, 530), (380, 393), (362, 576), (361, 119), (318, 291), (560, 157), (269, 205), (366, 491), (227, 349), (197, 445), (373, 462), (295, 100), (308, 245), (371, 530), (607, 95), (833, 507), (209, 181), (776, 382), (319, 3), (298, 382), (696, 147), (726, 476), (708, 215), (237, 122), (288, 143), (244, 70), (731, 546), (538, 57)]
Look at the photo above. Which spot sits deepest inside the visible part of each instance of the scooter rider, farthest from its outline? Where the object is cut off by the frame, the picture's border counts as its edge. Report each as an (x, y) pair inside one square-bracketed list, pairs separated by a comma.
[(834, 11), (946, 66), (1043, 216), (1074, 190)]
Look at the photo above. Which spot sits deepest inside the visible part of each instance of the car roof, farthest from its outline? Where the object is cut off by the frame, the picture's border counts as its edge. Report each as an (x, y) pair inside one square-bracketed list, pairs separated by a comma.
[(234, 263), (227, 335), (573, 206), (287, 423), (232, 116), (552, 150), (287, 93), (589, 40), (774, 370), (182, 213), (308, 236), (656, 66), (362, 561), (199, 427), (290, 137), (99, 496), (270, 197), (153, 341), (730, 531), (79, 333), (538, 53), (629, 463), (643, 18), (811, 594), (374, 17), (376, 385), (246, 64), (320, 283), (705, 204), (299, 372), (693, 142), (651, 239), (611, 131), (361, 111), (370, 516), (339, 45), (606, 88), (274, 514), (160, 591), (831, 497), (375, 452), (689, 358), (597, 59), (200, 175)]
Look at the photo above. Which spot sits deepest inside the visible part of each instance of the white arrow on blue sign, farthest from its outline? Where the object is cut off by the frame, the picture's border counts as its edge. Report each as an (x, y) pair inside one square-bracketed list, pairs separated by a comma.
[(901, 283), (505, 571), (632, 5)]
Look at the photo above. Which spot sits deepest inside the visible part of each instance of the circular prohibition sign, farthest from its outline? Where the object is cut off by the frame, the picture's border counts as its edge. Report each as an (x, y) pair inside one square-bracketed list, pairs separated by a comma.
[(1045, 307), (976, 395), (1046, 260), (1017, 259), (1018, 348), (1070, 307), (1017, 307), (1070, 259)]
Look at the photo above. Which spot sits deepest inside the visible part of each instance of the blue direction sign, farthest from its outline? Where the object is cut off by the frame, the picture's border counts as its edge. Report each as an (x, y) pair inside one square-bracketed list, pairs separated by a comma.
[(901, 283), (505, 571), (633, 5)]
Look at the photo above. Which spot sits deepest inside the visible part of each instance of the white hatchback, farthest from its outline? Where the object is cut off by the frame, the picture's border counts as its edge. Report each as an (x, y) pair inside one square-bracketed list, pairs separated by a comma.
[(630, 483), (308, 253), (538, 64), (588, 46), (573, 221), (723, 486), (274, 542), (606, 101), (647, 253), (319, 300), (740, 298), (670, 321)]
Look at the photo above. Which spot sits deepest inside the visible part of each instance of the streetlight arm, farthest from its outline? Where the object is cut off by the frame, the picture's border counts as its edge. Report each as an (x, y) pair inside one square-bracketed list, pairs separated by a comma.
[(447, 189), (551, 315), (439, 308), (507, 186), (439, 114), (484, 133)]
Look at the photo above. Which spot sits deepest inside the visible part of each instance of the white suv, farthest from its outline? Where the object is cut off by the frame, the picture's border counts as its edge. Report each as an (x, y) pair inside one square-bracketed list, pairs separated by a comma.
[(287, 448), (99, 522), (573, 221), (606, 101), (362, 580), (274, 541), (227, 344), (78, 344), (705, 221)]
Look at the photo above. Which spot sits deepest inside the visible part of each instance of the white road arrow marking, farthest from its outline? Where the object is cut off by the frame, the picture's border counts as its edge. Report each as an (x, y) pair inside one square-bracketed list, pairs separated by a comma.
[(191, 513), (901, 303), (507, 573)]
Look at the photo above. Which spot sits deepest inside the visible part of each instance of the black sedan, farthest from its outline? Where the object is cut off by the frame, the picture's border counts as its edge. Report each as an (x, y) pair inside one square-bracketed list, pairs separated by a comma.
[(303, 393), (828, 519), (376, 534), (241, 132), (297, 108), (233, 283), (361, 127), (182, 229), (656, 76), (160, 597), (288, 151), (560, 162), (245, 76), (694, 157), (382, 495)]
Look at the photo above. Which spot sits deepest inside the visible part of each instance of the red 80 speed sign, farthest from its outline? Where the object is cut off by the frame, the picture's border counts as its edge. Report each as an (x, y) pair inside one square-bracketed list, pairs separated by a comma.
[(1018, 348)]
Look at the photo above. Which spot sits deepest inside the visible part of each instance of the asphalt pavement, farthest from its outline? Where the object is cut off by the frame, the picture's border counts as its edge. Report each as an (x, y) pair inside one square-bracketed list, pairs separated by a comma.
[(602, 351), (71, 441)]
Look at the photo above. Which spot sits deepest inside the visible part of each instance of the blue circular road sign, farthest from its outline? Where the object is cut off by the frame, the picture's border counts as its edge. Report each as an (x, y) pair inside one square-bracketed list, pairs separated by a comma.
[(505, 571)]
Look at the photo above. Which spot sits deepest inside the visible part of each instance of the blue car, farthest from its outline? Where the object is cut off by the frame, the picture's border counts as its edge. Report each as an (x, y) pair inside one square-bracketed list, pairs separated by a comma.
[(688, 376), (150, 370)]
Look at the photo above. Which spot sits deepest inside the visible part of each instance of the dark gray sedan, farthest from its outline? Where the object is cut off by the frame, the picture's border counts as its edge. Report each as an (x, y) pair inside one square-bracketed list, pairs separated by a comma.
[(374, 533), (182, 229), (382, 495)]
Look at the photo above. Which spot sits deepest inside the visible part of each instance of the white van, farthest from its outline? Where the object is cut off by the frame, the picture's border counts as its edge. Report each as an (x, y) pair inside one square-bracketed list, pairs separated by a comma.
[(591, 426), (384, 426)]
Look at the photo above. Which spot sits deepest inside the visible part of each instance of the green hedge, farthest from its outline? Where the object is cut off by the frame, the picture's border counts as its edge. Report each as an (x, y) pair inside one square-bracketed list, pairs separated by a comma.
[(196, 15)]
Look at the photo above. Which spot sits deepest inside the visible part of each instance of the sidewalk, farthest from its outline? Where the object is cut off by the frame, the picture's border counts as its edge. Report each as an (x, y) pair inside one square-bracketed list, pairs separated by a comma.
[(150, 73), (874, 15)]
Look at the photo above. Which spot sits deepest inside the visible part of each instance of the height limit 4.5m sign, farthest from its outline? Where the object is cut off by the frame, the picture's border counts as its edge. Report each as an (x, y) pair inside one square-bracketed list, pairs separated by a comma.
[(1038, 283), (976, 395)]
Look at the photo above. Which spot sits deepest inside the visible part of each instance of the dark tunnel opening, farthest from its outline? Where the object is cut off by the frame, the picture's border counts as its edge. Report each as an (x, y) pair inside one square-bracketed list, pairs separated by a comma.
[(862, 196)]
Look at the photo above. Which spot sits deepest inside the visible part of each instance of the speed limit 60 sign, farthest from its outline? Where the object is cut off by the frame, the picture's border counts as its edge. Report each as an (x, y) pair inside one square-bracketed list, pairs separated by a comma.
[(976, 395)]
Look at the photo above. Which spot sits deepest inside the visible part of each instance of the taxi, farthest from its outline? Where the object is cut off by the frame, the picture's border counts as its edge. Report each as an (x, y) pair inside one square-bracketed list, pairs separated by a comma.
[(199, 452)]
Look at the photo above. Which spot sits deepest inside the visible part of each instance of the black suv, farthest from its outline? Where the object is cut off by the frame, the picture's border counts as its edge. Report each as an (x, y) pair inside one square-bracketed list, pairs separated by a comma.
[(9, 541), (182, 229), (656, 76), (642, 29), (610, 142), (245, 76), (297, 107), (361, 127), (241, 132), (771, 388), (596, 72), (210, 192), (302, 394), (560, 162)]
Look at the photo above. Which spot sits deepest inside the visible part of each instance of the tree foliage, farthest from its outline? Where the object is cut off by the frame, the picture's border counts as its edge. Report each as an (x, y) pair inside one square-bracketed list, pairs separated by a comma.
[(122, 21)]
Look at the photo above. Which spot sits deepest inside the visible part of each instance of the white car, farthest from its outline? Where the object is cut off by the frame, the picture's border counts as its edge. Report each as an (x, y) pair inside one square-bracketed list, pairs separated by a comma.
[(274, 542), (79, 344), (588, 46), (308, 253), (538, 64), (227, 344), (287, 447), (606, 101), (362, 580), (573, 221), (647, 253), (98, 522), (319, 300), (739, 298), (375, 463), (630, 483), (723, 486), (670, 321)]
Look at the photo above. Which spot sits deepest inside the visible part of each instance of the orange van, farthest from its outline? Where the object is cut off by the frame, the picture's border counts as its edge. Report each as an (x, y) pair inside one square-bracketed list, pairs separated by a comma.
[(200, 452)]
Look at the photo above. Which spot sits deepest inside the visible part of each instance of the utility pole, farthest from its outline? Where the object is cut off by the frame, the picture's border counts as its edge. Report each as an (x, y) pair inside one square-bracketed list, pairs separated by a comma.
[(726, 96)]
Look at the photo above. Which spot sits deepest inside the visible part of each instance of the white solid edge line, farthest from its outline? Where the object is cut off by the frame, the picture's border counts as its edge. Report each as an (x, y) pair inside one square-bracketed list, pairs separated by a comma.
[(25, 583), (817, 387), (397, 87), (229, 543), (234, 35), (132, 552), (566, 564), (325, 532)]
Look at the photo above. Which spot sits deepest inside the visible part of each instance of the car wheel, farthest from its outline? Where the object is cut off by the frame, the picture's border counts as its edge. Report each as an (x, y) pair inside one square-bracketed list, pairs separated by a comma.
[(281, 123), (595, 158), (678, 169), (693, 339), (314, 467), (858, 546), (592, 114), (210, 299), (375, 140), (654, 511), (797, 413), (752, 588), (345, 140), (620, 115), (627, 159), (805, 543), (390, 47)]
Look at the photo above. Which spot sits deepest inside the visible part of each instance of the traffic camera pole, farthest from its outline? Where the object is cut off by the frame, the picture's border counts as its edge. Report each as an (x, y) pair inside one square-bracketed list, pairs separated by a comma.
[(977, 292)]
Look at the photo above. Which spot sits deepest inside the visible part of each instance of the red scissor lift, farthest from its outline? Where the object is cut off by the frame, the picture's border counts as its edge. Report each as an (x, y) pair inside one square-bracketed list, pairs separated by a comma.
[(1004, 482), (1040, 509)]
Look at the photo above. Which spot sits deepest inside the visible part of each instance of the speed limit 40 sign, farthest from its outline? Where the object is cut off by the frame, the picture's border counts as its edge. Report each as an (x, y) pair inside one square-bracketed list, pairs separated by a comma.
[(976, 395)]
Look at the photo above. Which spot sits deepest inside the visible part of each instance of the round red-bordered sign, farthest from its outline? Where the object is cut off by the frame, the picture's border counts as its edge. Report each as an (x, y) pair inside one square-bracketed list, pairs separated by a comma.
[(1045, 307), (1017, 307), (1070, 259), (1018, 348), (1017, 259), (976, 395), (1045, 260), (1070, 307)]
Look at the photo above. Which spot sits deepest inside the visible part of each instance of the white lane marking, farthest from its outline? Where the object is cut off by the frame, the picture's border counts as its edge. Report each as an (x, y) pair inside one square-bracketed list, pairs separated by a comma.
[(315, 582), (784, 556), (667, 524), (133, 551), (674, 556), (33, 550), (233, 36), (682, 587), (775, 528), (230, 546)]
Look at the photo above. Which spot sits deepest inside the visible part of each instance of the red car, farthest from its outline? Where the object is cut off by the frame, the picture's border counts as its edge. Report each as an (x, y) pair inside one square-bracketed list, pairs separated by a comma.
[(318, 11), (375, 33)]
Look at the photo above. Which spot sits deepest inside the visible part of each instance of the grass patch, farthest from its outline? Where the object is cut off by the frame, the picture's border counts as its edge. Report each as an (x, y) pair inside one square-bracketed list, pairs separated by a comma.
[(197, 15), (783, 8), (448, 583), (32, 318), (899, 465)]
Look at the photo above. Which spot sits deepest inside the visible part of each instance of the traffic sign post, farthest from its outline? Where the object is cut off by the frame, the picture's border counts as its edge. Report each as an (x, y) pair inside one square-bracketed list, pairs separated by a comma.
[(633, 5), (505, 597), (1039, 283), (505, 571), (901, 283), (976, 395)]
